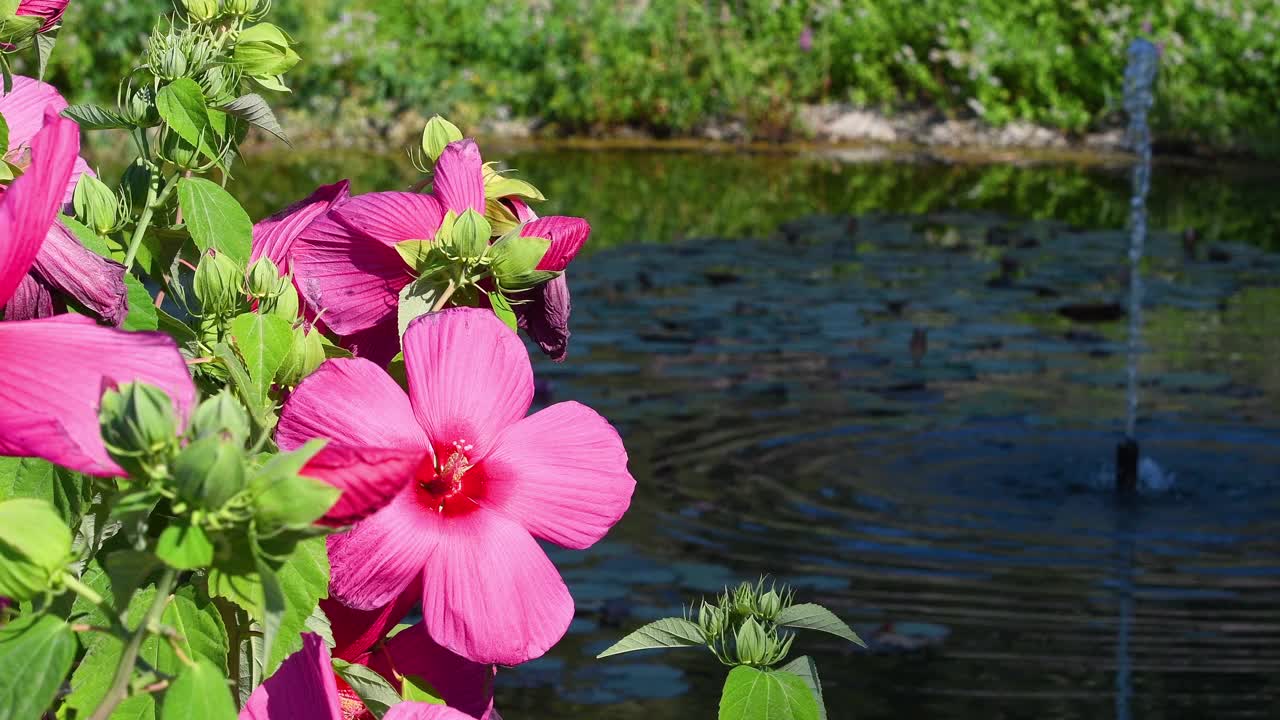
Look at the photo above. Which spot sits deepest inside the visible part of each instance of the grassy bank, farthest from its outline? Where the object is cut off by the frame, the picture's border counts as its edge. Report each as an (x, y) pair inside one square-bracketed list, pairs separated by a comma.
[(672, 67)]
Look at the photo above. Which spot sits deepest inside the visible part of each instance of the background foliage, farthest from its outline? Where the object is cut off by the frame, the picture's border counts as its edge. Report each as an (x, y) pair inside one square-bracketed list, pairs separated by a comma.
[(671, 66)]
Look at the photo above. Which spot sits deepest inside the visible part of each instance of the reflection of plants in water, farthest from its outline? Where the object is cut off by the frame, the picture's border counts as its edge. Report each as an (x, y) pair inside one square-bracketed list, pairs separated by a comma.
[(1240, 340), (750, 630)]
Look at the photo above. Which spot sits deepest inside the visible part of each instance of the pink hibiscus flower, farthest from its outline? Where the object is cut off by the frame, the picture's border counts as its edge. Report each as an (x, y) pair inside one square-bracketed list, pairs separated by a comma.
[(471, 482), (347, 267), (63, 266), (305, 687), (55, 369), (50, 10)]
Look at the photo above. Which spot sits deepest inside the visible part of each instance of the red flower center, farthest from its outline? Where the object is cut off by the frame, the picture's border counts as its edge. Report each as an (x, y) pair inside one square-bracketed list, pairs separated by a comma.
[(449, 487)]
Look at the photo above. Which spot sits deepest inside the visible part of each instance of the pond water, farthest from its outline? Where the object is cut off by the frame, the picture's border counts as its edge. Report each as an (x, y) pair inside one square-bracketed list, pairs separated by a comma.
[(899, 386)]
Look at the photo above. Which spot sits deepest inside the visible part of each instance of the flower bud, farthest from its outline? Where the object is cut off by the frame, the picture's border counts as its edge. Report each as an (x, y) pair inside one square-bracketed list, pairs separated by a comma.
[(219, 84), (770, 605), (218, 284), (437, 135), (170, 63), (209, 471), (305, 355), (180, 152), (284, 303), (264, 279), (221, 415), (139, 426), (95, 204), (239, 7), (264, 50), (34, 546), (750, 642), (134, 183), (200, 10), (140, 108)]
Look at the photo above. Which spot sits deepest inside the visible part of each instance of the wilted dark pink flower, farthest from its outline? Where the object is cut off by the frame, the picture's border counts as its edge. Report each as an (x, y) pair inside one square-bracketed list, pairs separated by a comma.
[(53, 371), (63, 265)]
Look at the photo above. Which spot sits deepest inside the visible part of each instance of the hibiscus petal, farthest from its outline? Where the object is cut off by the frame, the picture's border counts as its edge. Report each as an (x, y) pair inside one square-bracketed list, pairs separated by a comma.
[(350, 279), (274, 237), (567, 236), (423, 711), (94, 281), (469, 377), (490, 593), (353, 402), (24, 108), (523, 212), (303, 687), (31, 202), (32, 300), (561, 473), (379, 344), (355, 631), (545, 317), (376, 560), (50, 10), (392, 217), (368, 478), (464, 685), (459, 178), (54, 373)]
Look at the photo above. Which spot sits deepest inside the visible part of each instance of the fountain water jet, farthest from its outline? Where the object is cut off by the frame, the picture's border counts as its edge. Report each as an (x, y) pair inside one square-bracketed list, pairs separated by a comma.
[(1139, 96)]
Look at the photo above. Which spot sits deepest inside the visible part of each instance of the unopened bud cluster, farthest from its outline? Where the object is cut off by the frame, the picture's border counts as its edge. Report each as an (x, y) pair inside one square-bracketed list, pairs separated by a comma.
[(739, 626)]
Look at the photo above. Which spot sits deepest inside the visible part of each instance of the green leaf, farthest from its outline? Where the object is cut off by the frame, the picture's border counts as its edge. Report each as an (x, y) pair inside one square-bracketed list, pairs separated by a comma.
[(515, 255), (415, 689), (302, 581), (809, 616), (96, 117), (4, 132), (416, 253), (502, 308), (263, 341), (42, 480), (804, 668), (373, 689), (35, 655), (185, 547), (44, 48), (199, 634), (126, 571), (253, 109), (35, 545), (752, 694), (215, 220), (174, 328), (666, 633), (181, 104), (199, 693), (142, 309), (416, 300), (272, 609)]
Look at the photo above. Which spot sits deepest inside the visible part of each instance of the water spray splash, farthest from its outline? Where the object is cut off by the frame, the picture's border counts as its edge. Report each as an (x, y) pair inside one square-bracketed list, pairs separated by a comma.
[(1139, 96)]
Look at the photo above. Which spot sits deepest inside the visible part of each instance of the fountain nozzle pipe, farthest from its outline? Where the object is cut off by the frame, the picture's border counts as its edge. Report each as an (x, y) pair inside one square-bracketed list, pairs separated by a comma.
[(1127, 455)]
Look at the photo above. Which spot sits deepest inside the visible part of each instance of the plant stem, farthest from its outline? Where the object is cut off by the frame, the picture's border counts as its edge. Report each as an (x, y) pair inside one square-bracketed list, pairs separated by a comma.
[(444, 297), (144, 221), (124, 671)]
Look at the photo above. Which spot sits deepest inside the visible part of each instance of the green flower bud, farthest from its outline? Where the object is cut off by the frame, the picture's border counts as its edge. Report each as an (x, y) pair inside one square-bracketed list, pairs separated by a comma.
[(750, 643), (140, 107), (437, 135), (34, 546), (305, 355), (220, 84), (200, 10), (219, 284), (239, 7), (19, 30), (134, 183), (263, 50), (170, 63), (139, 427), (95, 204), (770, 605), (180, 152), (470, 235), (264, 279), (210, 471), (284, 303), (223, 416)]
